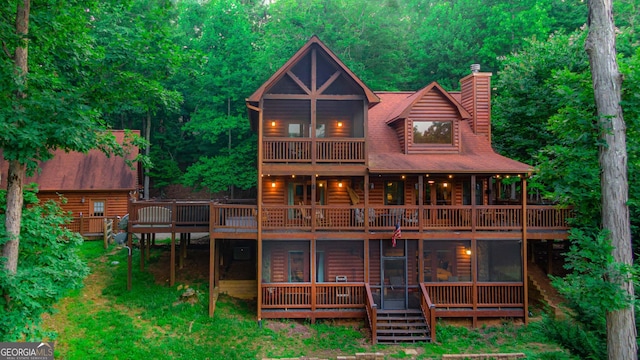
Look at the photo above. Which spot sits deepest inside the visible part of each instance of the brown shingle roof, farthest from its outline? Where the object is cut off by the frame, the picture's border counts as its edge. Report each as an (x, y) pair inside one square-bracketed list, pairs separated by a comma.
[(90, 171), (385, 153)]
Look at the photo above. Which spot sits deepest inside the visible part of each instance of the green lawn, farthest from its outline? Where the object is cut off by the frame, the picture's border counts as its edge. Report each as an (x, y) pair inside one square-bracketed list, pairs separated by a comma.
[(105, 321)]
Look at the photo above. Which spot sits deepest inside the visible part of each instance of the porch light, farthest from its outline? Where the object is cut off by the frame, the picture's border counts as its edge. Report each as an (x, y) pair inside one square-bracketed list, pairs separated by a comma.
[(339, 123), (445, 185), (273, 184), (468, 251), (320, 184), (403, 177), (293, 176), (450, 176), (431, 182), (340, 184), (273, 124)]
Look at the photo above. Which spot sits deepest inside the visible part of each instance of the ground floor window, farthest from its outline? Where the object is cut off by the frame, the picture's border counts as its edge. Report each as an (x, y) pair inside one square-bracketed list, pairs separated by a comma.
[(339, 261), (500, 260), (447, 260), (285, 261)]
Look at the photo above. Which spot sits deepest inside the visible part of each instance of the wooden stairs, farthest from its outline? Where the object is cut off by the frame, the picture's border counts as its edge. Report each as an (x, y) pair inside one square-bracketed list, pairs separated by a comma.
[(401, 326)]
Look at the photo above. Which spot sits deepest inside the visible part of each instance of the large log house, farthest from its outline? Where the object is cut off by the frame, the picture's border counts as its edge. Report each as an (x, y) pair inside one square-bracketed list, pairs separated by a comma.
[(344, 170)]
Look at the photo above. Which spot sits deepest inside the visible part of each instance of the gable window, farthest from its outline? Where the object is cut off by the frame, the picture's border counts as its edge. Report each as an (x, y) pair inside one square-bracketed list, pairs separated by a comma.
[(433, 132)]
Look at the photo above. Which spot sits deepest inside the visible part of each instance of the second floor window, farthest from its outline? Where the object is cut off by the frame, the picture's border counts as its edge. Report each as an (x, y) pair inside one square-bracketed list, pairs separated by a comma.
[(433, 132)]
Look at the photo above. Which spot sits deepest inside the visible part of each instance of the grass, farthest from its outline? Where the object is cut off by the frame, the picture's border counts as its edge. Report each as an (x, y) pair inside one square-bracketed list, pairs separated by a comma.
[(105, 321)]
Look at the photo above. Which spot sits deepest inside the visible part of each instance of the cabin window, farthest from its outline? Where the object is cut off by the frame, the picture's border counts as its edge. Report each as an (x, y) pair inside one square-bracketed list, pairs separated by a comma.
[(320, 130), (443, 193), (98, 207), (296, 266), (296, 130), (499, 260), (466, 193), (394, 193), (433, 132), (320, 268), (447, 261)]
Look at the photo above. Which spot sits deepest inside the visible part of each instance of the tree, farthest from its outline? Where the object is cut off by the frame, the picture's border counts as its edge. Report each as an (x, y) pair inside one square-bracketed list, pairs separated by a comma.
[(607, 82)]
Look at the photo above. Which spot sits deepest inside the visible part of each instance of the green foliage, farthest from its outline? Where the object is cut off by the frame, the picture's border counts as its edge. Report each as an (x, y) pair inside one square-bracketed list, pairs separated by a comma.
[(573, 336), (49, 268)]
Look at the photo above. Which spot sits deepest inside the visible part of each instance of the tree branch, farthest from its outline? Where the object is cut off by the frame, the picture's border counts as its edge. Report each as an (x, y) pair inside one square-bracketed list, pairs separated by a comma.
[(6, 51)]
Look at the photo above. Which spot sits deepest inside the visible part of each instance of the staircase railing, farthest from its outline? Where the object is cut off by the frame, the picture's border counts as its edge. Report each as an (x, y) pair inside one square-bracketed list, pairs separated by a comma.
[(428, 311), (372, 313)]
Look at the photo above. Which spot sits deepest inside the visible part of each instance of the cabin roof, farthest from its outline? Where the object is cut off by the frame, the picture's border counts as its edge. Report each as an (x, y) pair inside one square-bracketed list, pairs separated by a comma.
[(314, 40), (385, 153), (75, 171), (403, 108)]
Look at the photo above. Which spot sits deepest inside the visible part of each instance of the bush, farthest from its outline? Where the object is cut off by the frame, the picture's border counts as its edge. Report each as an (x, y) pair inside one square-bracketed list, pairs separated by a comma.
[(48, 267)]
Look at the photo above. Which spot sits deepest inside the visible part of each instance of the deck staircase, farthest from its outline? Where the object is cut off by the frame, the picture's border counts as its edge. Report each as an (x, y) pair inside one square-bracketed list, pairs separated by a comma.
[(401, 326)]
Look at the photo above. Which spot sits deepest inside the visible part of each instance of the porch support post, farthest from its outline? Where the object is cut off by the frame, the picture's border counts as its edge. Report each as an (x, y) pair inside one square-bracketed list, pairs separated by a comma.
[(129, 260), (474, 251), (259, 213), (172, 271), (312, 274), (366, 260), (525, 271), (212, 265), (366, 203), (142, 251)]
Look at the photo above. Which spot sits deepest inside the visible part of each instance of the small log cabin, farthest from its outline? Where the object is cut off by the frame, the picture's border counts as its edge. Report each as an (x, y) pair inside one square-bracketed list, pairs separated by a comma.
[(388, 206), (96, 187)]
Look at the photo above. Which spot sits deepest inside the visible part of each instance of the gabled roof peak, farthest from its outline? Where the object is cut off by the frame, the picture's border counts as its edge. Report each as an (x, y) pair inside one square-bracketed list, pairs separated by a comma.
[(404, 108)]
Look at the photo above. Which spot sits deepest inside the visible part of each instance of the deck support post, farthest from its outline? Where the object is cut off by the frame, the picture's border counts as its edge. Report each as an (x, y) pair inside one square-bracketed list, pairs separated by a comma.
[(142, 252), (129, 260), (525, 282), (212, 265), (172, 271)]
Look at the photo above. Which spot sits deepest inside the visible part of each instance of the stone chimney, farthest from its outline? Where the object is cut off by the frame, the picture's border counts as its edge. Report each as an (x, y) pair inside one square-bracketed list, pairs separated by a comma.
[(475, 91)]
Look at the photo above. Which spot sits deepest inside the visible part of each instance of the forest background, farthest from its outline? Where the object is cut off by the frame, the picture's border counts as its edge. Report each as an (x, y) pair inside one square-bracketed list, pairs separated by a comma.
[(180, 70)]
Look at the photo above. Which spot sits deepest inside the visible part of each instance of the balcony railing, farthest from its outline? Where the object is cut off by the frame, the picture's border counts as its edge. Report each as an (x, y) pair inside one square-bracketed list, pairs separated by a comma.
[(177, 215), (300, 150)]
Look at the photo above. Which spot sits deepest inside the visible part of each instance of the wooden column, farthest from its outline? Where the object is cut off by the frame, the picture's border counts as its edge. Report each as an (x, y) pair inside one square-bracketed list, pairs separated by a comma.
[(129, 260), (524, 250), (172, 271), (212, 266)]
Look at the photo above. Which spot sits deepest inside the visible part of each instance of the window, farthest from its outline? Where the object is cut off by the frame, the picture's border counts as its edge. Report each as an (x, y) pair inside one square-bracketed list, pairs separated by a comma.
[(443, 193), (499, 260), (296, 266), (98, 207), (394, 193), (433, 132), (447, 261), (296, 130)]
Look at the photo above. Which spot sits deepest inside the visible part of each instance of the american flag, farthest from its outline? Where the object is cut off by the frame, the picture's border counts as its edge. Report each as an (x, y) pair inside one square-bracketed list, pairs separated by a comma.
[(396, 234)]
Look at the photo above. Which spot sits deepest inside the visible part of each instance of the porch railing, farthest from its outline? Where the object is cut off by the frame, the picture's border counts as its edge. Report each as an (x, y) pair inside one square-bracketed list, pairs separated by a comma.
[(428, 311), (299, 296), (460, 295), (300, 150), (488, 217), (372, 312)]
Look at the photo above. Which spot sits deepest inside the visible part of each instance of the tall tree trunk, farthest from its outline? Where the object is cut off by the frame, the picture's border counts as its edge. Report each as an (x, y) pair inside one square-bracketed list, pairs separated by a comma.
[(15, 197), (600, 45)]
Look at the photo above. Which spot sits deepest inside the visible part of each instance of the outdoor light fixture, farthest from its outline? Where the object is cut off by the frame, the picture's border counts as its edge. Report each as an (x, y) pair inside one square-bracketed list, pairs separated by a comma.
[(445, 185), (339, 123), (293, 176), (273, 124), (431, 182), (468, 251), (450, 176), (273, 184), (403, 177), (82, 200), (340, 184)]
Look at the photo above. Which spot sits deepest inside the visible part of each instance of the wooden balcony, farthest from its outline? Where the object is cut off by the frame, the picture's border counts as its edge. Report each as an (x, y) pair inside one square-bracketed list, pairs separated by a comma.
[(319, 150), (201, 216)]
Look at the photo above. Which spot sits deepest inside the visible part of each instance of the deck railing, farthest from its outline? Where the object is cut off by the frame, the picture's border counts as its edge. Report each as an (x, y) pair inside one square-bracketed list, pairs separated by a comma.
[(300, 150), (88, 225), (372, 312), (298, 296), (460, 295), (179, 214), (428, 311)]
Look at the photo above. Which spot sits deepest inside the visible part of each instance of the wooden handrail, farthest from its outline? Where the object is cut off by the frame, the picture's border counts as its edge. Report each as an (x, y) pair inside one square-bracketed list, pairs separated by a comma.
[(428, 311), (372, 313)]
